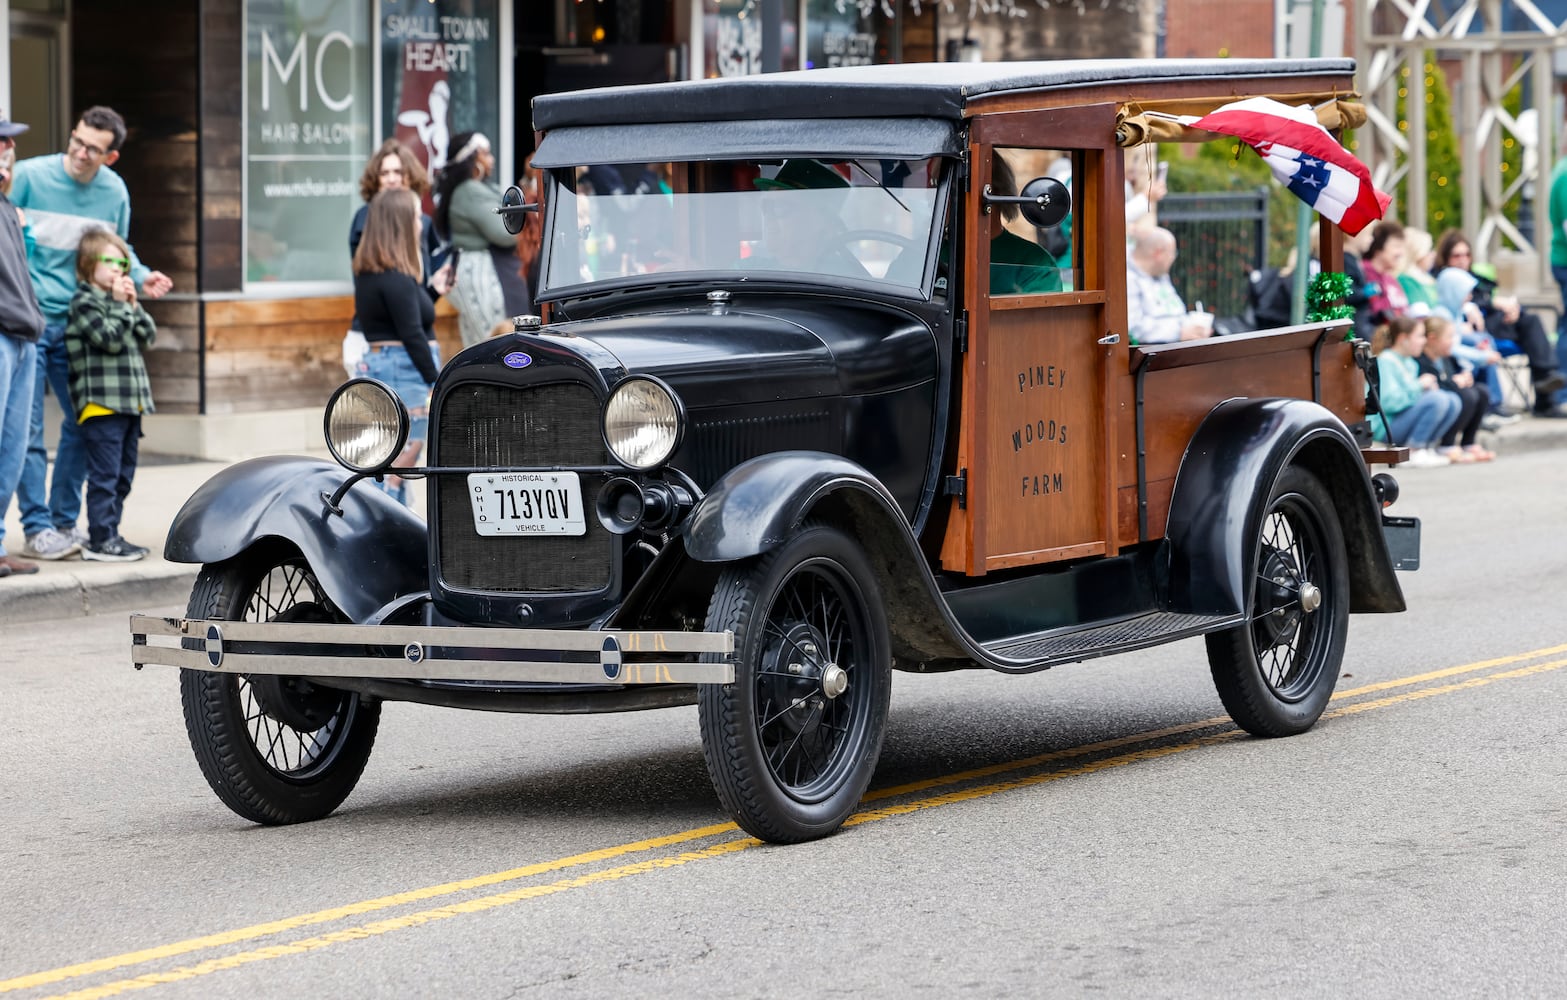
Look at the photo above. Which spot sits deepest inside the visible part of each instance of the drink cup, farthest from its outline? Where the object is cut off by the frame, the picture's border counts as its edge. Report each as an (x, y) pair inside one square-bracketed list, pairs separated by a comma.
[(1199, 318)]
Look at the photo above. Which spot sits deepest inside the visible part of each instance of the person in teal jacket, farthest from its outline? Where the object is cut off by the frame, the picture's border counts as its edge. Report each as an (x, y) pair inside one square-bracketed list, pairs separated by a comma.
[(65, 195), (1418, 411)]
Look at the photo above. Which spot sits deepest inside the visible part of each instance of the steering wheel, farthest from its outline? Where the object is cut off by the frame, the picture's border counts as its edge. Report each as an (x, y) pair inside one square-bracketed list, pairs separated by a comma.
[(910, 255)]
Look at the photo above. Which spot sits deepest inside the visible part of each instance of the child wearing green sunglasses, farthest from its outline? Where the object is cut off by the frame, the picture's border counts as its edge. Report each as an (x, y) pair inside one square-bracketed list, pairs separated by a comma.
[(105, 334)]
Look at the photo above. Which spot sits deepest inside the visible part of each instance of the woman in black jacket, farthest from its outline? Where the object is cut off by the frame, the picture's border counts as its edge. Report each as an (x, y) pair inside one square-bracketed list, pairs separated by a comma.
[(397, 316)]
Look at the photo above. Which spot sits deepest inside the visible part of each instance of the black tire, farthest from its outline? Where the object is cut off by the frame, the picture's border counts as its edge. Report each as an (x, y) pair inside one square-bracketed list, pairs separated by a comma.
[(1276, 673), (277, 750), (789, 760)]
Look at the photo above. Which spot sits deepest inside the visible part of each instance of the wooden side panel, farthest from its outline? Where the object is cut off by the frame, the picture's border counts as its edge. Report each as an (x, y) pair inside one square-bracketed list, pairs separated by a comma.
[(1176, 401)]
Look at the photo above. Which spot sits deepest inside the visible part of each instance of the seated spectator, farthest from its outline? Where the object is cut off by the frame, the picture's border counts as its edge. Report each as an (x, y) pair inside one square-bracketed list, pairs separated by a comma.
[(1454, 376), (1354, 250), (1381, 266), (1418, 412), (1155, 313), (1504, 319), (1418, 282), (1454, 286)]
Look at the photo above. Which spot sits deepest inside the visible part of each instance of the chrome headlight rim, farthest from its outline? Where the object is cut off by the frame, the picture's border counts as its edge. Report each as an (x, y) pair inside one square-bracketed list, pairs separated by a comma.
[(680, 421), (400, 411)]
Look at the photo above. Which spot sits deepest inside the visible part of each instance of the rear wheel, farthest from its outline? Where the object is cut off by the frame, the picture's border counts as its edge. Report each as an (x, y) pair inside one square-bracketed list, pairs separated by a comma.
[(791, 745), (275, 749), (1276, 673)]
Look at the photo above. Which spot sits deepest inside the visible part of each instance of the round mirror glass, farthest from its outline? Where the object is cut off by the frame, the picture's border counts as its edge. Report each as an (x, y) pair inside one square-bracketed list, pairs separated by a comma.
[(513, 221), (1048, 204)]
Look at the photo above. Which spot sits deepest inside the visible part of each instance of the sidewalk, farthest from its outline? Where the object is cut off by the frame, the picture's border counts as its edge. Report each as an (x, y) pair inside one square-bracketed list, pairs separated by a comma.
[(72, 588)]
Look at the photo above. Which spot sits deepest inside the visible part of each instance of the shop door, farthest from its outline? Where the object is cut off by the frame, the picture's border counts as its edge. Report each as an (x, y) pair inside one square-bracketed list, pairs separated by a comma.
[(1036, 432), (39, 74)]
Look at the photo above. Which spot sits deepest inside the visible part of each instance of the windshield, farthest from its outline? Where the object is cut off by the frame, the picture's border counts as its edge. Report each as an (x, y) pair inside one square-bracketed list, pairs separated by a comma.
[(860, 219)]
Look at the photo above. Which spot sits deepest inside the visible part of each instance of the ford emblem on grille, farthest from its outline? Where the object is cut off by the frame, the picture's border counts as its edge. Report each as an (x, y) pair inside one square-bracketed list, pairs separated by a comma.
[(609, 657), (517, 359)]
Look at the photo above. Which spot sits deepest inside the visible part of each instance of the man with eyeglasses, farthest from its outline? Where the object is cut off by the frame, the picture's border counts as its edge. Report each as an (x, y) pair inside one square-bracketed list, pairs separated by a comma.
[(66, 195), (21, 324)]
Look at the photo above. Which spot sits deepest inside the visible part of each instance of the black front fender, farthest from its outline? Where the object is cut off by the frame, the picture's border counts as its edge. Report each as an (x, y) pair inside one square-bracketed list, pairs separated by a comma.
[(1222, 491), (371, 555), (759, 503)]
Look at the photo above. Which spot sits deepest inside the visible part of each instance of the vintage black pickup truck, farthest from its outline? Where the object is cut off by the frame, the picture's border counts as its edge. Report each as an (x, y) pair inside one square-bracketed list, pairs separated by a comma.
[(820, 391)]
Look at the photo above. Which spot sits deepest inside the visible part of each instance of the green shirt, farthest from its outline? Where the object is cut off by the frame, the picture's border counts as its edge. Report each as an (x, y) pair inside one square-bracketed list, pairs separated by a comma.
[(1559, 214), (1019, 267)]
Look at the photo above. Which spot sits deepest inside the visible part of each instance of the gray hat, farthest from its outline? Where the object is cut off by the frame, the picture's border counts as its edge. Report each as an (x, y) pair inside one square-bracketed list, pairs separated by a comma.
[(9, 128)]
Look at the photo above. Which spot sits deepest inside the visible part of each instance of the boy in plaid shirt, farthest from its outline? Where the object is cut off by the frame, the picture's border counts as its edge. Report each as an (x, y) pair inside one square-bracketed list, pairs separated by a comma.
[(105, 333)]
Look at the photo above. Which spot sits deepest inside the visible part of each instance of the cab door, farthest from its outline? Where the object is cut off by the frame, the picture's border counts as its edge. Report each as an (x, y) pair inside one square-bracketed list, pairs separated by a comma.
[(1036, 434)]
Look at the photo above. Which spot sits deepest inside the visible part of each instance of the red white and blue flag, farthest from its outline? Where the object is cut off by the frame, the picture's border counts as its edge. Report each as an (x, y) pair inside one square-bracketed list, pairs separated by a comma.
[(1304, 157)]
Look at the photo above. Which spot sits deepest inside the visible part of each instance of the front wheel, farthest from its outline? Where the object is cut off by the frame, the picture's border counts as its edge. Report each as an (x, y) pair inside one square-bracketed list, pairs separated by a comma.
[(276, 749), (1276, 673), (791, 745)]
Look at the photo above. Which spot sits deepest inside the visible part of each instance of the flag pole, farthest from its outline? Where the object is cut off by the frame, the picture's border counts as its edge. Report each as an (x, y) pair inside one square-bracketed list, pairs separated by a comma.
[(1302, 210)]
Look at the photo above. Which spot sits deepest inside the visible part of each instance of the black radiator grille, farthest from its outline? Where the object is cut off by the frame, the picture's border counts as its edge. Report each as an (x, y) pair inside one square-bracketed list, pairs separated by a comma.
[(511, 427)]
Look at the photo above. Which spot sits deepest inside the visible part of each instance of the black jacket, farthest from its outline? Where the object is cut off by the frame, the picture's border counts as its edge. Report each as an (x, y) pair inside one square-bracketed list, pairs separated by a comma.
[(19, 313)]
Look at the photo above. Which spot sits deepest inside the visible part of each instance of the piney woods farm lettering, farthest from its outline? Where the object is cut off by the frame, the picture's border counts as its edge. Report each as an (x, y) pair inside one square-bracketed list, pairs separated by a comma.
[(1039, 382), (437, 42)]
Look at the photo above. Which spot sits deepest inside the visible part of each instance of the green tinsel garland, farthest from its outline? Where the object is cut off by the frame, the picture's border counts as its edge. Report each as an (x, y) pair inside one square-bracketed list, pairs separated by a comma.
[(1325, 298)]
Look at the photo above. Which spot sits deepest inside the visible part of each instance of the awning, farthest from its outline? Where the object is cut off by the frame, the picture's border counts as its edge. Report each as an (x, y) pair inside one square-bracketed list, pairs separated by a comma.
[(1151, 121), (884, 138)]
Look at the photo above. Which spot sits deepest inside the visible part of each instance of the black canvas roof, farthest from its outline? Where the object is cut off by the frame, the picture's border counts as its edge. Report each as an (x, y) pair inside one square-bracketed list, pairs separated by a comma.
[(925, 90)]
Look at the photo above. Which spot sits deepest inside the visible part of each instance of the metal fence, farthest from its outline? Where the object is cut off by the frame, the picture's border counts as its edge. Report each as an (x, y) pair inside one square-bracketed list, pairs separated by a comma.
[(1221, 238)]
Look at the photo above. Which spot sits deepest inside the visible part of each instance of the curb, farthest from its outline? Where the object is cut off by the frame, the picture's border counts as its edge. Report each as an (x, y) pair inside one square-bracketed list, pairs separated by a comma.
[(80, 594)]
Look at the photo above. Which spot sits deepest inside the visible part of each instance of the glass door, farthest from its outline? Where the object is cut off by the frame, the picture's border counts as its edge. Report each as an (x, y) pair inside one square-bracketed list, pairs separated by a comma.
[(40, 80)]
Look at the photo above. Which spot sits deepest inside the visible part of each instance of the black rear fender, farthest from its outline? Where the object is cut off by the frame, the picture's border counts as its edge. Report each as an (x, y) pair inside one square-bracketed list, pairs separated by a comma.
[(374, 553), (1221, 493)]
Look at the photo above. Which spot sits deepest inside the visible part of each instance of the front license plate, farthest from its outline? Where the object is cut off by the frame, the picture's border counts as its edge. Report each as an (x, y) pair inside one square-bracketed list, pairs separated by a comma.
[(526, 503), (1403, 541)]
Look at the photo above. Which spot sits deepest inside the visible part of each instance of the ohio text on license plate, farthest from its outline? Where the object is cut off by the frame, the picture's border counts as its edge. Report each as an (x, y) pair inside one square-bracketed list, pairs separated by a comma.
[(526, 503)]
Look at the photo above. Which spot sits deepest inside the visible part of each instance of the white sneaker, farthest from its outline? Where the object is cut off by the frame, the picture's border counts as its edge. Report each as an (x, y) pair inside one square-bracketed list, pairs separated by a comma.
[(49, 544), (77, 535), (1425, 458)]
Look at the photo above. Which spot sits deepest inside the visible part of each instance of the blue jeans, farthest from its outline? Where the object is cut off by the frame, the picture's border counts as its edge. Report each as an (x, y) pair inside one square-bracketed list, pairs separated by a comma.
[(17, 371), (110, 442), (1560, 274), (55, 504), (393, 366), (1424, 423)]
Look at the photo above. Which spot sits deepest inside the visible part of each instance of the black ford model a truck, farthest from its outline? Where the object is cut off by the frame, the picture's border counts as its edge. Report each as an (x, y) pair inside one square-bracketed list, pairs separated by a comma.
[(824, 388)]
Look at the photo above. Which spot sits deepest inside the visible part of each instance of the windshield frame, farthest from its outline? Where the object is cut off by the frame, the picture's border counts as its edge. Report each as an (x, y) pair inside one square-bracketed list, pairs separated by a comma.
[(559, 197)]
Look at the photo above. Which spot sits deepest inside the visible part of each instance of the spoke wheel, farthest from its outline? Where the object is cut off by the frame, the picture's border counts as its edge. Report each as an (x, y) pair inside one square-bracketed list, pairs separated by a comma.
[(1276, 673), (792, 744), (275, 749)]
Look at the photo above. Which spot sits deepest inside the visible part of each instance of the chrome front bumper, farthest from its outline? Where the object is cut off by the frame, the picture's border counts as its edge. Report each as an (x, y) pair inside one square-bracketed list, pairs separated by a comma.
[(412, 652)]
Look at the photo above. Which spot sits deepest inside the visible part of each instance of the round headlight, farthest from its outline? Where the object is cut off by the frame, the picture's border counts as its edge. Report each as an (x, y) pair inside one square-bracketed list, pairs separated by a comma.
[(643, 422), (366, 425)]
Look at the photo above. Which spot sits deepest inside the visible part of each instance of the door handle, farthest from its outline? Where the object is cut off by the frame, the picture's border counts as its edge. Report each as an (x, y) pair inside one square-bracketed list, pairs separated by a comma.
[(1114, 338)]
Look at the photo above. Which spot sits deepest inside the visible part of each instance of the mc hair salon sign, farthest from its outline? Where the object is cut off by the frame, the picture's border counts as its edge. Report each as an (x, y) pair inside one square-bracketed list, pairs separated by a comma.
[(307, 135)]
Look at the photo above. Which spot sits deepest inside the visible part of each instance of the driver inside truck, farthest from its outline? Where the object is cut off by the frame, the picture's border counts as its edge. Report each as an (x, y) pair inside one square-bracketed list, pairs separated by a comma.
[(802, 221)]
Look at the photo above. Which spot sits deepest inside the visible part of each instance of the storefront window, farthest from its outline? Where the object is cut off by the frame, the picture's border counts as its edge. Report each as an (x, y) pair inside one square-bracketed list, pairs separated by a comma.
[(736, 37), (440, 74), (307, 135), (847, 34)]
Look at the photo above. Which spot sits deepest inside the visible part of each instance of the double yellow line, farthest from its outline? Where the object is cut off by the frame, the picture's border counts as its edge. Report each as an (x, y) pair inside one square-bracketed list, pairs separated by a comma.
[(870, 814)]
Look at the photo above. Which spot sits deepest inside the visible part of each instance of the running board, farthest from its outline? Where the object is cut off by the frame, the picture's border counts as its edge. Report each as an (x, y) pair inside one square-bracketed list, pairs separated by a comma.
[(1040, 650)]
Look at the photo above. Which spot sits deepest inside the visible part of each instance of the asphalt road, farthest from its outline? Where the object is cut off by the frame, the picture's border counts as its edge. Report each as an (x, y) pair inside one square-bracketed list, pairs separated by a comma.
[(1095, 830)]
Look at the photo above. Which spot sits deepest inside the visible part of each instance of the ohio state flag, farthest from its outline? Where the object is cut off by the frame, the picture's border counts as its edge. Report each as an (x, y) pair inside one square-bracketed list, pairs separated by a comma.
[(1304, 157)]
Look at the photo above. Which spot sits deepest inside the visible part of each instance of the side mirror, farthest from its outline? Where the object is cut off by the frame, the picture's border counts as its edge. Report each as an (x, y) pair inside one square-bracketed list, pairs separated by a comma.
[(1047, 202), (1044, 202), (512, 211)]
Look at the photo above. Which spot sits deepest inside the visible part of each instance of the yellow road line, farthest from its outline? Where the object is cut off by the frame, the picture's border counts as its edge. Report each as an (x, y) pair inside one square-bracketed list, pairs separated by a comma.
[(729, 847), (273, 927)]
